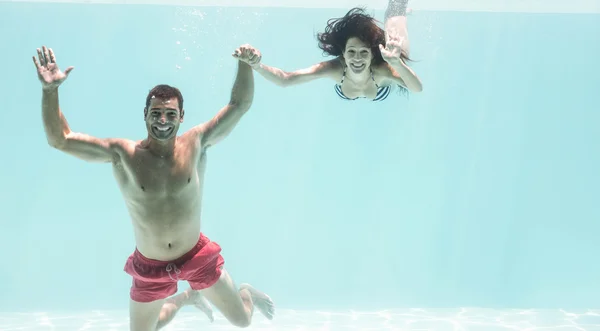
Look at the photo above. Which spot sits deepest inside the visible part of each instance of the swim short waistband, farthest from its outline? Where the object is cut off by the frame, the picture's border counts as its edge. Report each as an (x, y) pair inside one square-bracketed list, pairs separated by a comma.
[(202, 241)]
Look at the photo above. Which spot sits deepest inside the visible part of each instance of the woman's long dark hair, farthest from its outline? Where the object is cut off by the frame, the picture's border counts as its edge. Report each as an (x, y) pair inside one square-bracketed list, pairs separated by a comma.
[(356, 23)]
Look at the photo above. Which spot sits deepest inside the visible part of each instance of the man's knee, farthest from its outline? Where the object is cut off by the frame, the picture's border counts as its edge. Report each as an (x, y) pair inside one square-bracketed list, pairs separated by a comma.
[(241, 321)]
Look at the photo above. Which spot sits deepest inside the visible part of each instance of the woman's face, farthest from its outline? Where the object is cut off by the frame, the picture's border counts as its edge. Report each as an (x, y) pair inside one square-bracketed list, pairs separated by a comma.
[(357, 55)]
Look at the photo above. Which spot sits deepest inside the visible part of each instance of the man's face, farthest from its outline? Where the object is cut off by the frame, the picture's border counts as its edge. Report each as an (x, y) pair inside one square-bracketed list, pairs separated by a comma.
[(163, 118)]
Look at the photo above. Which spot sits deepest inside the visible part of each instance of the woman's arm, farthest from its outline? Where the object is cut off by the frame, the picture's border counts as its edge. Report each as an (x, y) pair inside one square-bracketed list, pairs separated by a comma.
[(403, 75), (282, 78)]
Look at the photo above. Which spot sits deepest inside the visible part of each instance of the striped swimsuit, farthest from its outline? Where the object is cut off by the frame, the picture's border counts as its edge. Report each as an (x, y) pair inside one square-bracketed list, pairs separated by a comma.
[(382, 91)]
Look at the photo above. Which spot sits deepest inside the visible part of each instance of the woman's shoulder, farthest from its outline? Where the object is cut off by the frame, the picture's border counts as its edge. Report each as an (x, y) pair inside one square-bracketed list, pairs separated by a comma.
[(332, 67), (333, 64)]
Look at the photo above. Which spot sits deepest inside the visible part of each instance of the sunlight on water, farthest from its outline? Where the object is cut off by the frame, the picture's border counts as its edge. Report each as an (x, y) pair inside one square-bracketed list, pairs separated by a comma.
[(460, 319)]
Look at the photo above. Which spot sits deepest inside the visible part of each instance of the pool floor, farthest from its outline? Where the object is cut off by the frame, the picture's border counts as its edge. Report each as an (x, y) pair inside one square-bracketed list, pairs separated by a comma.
[(477, 319)]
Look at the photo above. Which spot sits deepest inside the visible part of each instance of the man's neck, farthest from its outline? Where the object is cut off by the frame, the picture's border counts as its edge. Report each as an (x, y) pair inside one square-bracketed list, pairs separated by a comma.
[(160, 148)]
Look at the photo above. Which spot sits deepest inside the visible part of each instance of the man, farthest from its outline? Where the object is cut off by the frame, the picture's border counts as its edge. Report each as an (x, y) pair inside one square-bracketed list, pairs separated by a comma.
[(161, 179)]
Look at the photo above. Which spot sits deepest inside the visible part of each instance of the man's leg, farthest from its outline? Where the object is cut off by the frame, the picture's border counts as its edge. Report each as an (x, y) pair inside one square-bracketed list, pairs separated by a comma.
[(187, 298), (155, 315), (143, 316), (395, 23), (237, 305)]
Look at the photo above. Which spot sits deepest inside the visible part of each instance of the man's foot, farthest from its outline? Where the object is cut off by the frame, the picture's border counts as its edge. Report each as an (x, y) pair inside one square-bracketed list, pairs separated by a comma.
[(397, 8), (199, 301), (261, 301)]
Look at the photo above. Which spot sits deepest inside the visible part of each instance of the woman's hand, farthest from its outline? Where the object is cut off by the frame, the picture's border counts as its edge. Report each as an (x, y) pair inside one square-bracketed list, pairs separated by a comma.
[(248, 54), (392, 51)]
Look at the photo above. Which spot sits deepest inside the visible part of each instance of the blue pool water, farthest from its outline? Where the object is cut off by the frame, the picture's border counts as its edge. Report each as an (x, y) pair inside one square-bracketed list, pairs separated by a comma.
[(470, 206)]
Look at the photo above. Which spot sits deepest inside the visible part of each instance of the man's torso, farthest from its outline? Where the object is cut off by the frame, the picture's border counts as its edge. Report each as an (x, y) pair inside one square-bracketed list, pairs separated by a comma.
[(163, 196)]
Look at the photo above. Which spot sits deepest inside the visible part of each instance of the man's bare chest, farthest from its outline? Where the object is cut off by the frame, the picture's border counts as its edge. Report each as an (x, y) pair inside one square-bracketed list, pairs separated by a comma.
[(157, 176)]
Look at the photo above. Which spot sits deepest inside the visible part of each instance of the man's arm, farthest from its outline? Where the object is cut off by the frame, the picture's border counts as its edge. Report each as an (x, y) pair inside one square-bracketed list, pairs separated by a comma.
[(61, 137), (242, 94)]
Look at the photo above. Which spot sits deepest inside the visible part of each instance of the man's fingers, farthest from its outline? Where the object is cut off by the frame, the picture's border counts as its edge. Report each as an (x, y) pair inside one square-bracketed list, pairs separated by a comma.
[(52, 57), (37, 65), (46, 54), (41, 57)]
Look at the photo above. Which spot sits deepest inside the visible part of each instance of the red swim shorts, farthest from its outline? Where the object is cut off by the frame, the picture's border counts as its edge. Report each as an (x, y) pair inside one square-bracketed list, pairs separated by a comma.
[(154, 280)]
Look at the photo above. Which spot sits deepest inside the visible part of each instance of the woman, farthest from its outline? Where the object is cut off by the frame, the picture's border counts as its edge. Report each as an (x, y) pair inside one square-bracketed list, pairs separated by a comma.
[(363, 67)]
